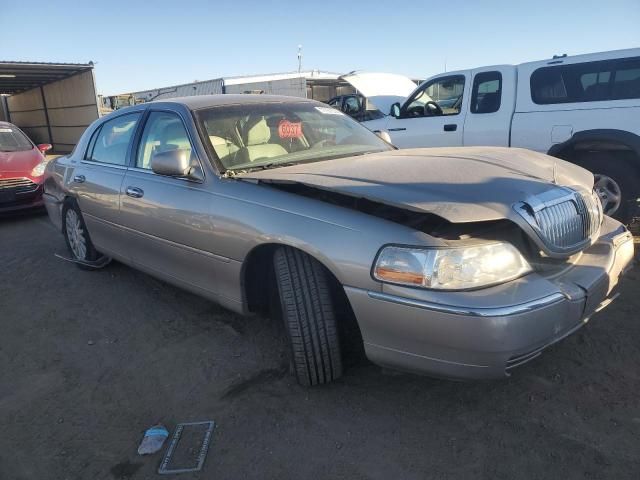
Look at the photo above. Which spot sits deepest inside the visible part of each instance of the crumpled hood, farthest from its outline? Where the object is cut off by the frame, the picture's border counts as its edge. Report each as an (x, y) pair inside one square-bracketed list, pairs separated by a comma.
[(462, 184)]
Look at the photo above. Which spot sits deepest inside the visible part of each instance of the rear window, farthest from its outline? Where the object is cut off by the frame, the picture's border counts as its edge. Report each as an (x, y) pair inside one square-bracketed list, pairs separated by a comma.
[(486, 95), (110, 142), (13, 140), (587, 82)]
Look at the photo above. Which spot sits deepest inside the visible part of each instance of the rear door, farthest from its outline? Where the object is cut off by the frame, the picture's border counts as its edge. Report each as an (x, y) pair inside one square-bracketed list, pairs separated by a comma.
[(97, 178), (490, 107), (168, 218), (433, 116)]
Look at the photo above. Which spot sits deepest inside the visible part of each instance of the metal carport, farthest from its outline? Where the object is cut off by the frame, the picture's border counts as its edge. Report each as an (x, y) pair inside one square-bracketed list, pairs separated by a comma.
[(52, 102)]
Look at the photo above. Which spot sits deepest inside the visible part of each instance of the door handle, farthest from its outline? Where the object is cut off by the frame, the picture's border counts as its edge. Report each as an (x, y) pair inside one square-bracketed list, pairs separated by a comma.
[(451, 127), (79, 179), (134, 192)]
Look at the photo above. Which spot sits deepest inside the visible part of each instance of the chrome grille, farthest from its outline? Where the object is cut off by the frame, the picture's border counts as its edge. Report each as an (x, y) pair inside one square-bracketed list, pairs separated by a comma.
[(17, 185), (565, 220)]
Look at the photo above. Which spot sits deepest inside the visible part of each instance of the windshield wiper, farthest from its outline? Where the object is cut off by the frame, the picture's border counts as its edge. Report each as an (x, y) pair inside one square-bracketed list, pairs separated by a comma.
[(268, 166)]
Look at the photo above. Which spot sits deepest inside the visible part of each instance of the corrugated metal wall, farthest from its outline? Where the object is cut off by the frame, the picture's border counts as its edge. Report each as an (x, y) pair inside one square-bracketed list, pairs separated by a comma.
[(27, 111), (210, 87), (57, 113), (293, 87), (3, 110)]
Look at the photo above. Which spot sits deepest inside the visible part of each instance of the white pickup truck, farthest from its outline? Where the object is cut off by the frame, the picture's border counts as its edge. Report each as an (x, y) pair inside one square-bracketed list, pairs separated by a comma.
[(584, 108)]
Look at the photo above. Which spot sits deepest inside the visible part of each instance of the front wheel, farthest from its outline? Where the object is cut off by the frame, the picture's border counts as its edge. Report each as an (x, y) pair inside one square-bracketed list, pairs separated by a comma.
[(616, 181), (309, 316), (77, 237)]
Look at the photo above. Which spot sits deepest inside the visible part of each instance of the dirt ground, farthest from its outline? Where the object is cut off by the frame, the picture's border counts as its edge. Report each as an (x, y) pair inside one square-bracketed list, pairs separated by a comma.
[(89, 360)]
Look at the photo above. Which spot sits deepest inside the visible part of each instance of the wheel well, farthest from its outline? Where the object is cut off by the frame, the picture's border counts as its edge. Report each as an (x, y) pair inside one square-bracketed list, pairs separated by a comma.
[(258, 271), (584, 153), (620, 144), (65, 202)]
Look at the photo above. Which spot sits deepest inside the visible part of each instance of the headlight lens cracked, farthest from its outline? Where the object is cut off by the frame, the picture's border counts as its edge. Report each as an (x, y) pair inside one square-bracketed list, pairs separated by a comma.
[(458, 268)]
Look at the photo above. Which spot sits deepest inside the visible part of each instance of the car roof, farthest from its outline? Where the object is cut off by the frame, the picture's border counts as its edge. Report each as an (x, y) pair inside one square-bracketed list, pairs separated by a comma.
[(197, 102)]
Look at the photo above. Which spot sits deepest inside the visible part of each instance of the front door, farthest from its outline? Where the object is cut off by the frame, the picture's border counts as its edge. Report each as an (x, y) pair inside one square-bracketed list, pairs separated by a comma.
[(97, 178), (433, 116), (168, 218)]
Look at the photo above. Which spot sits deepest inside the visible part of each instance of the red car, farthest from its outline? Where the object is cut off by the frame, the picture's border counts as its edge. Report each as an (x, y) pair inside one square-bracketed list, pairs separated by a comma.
[(21, 169)]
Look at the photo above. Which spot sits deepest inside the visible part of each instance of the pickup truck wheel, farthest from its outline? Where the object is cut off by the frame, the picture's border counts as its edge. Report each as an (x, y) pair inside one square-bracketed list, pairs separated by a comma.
[(616, 181), (76, 235), (309, 315)]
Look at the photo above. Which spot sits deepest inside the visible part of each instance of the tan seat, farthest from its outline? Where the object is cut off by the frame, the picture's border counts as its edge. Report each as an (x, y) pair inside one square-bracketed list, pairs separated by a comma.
[(257, 144), (223, 147)]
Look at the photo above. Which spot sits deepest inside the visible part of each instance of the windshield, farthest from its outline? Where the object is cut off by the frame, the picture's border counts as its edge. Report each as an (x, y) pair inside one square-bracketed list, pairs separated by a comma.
[(13, 140), (269, 135)]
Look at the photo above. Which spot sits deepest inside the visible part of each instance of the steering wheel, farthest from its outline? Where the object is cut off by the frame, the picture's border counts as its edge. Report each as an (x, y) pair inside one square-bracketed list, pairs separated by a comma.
[(432, 108)]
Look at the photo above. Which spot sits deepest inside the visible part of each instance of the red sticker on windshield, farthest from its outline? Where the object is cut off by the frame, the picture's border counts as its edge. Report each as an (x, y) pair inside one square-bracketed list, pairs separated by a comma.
[(287, 129)]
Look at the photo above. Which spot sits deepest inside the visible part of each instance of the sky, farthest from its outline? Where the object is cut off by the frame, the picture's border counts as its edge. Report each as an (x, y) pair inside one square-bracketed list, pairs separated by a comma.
[(137, 45)]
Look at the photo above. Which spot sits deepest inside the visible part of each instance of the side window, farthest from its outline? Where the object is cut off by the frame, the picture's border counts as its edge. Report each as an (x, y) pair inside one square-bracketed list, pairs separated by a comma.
[(626, 83), (163, 131), (110, 142), (442, 96), (587, 82), (351, 105), (547, 86), (92, 143), (487, 92), (335, 102)]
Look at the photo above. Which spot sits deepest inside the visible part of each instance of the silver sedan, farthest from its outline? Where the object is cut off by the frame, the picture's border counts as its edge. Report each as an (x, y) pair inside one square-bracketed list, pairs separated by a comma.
[(460, 262)]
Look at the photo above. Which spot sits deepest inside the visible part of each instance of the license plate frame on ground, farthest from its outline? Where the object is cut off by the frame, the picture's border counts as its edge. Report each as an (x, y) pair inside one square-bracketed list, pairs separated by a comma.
[(166, 466)]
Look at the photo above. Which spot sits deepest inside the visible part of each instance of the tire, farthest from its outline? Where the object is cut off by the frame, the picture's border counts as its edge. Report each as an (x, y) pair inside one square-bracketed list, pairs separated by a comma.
[(77, 236), (625, 176), (309, 315)]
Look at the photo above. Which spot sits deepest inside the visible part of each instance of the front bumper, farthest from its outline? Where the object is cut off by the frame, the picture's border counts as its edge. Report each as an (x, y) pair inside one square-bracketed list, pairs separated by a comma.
[(11, 201), (485, 333)]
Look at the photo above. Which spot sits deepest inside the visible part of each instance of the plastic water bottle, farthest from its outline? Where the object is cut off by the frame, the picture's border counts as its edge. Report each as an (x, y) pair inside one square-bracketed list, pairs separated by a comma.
[(153, 440)]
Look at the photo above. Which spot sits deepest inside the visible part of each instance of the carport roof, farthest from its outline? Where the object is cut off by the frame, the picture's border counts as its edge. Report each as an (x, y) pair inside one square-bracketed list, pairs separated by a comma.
[(16, 77)]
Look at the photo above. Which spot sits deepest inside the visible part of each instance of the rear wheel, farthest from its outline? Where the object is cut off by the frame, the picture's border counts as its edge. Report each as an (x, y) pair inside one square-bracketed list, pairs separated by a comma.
[(617, 182), (308, 311), (76, 235)]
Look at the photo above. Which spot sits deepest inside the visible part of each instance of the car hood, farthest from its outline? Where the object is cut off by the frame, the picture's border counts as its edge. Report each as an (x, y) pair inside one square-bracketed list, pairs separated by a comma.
[(382, 89), (465, 184), (19, 163)]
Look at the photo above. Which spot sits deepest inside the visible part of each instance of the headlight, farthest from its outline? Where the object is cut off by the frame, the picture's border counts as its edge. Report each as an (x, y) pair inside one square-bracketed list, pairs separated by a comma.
[(38, 170), (450, 268)]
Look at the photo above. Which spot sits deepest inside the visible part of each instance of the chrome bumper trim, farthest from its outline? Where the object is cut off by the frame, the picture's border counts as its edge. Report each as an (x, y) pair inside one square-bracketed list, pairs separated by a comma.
[(471, 311)]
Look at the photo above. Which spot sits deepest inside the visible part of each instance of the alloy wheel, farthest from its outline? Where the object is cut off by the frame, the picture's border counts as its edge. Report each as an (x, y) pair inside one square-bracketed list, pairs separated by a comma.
[(75, 234), (609, 192)]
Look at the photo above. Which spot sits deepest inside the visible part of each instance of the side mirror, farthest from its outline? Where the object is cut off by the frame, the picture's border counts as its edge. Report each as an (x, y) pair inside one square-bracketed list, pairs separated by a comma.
[(384, 135), (44, 147), (173, 163), (395, 110)]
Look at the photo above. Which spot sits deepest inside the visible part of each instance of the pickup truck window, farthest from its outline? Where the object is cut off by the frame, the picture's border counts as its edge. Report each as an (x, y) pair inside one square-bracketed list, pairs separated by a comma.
[(587, 82), (441, 96), (487, 92)]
